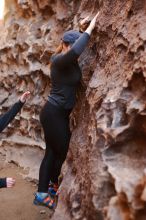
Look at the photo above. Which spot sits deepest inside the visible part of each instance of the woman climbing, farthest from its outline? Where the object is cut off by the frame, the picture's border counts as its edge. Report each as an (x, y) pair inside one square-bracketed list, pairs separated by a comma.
[(54, 117), (5, 119)]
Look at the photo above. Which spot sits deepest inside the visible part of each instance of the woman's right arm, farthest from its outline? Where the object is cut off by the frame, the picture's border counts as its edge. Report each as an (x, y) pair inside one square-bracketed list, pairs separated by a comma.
[(78, 47)]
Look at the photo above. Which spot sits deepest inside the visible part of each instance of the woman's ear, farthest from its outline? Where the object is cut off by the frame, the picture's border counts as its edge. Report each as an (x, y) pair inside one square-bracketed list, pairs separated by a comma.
[(59, 48), (69, 46), (66, 47)]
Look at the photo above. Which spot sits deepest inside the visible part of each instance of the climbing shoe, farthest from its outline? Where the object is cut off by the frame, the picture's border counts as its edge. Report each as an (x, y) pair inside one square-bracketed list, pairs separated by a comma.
[(47, 200), (52, 189)]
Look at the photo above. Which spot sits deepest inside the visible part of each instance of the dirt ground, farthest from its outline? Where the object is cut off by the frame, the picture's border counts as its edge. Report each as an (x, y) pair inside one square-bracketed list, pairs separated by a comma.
[(17, 203)]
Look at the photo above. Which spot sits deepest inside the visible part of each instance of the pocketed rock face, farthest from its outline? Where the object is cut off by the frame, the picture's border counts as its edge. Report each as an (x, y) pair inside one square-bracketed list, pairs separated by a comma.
[(104, 174)]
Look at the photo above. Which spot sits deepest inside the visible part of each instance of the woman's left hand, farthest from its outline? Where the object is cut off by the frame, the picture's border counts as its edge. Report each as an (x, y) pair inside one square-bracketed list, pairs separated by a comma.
[(84, 23), (85, 20)]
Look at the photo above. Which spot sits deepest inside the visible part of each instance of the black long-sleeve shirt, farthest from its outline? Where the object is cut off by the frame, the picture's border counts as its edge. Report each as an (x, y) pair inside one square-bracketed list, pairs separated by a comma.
[(6, 118), (3, 182), (66, 74)]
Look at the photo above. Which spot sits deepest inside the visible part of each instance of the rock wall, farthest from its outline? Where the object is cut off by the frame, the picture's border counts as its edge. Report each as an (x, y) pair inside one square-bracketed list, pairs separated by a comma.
[(104, 174)]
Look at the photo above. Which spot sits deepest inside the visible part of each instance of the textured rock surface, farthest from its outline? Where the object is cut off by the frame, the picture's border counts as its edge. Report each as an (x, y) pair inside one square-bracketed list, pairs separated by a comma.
[(104, 175)]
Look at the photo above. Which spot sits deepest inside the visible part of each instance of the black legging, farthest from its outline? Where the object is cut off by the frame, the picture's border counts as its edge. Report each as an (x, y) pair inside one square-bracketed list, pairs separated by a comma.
[(55, 122)]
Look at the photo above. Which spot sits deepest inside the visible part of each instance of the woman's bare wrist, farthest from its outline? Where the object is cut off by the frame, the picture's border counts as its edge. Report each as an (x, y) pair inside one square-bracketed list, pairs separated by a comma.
[(89, 30)]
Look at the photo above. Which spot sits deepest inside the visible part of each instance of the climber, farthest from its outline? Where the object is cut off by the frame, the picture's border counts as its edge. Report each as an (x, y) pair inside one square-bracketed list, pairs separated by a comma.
[(5, 119), (54, 117)]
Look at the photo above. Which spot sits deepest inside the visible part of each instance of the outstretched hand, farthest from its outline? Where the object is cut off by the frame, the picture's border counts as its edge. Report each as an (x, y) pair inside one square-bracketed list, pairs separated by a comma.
[(24, 96)]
